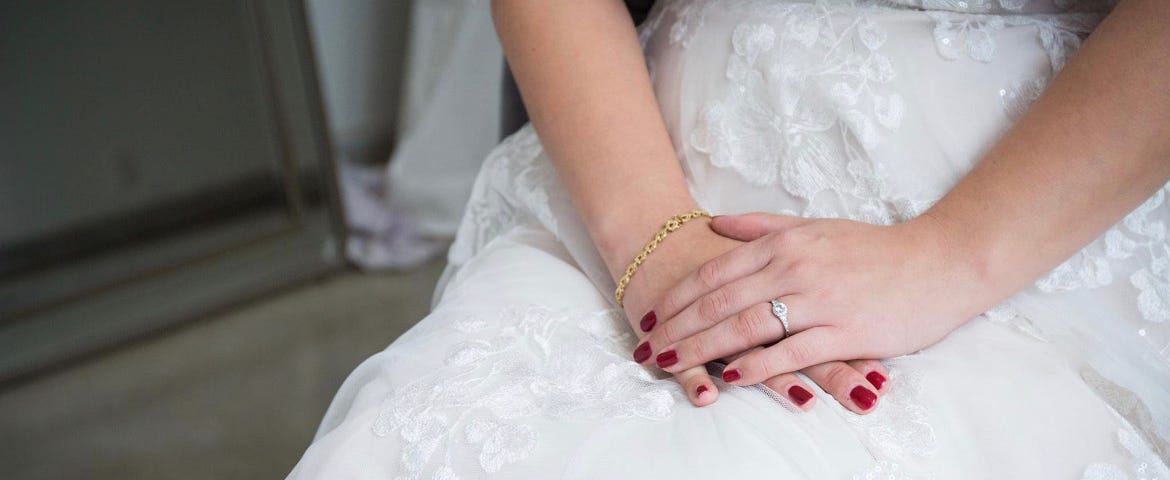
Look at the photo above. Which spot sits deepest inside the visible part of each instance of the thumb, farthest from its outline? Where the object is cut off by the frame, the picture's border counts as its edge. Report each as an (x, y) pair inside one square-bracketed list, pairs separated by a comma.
[(750, 226)]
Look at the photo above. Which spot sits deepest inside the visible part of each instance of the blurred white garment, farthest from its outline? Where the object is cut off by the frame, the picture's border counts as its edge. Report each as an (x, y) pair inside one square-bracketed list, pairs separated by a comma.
[(868, 110), (449, 121)]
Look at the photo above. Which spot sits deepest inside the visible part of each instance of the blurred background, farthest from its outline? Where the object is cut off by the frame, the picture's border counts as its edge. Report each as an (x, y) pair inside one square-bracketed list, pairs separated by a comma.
[(211, 212)]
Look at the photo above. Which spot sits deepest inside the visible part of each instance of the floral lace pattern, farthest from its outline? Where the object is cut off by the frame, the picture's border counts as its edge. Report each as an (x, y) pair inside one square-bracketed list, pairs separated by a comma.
[(977, 33), (1018, 96), (1140, 235), (528, 363), (511, 188), (1144, 463), (833, 104)]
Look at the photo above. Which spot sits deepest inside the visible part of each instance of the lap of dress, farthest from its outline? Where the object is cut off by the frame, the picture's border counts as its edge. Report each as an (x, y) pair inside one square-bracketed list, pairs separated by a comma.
[(523, 371)]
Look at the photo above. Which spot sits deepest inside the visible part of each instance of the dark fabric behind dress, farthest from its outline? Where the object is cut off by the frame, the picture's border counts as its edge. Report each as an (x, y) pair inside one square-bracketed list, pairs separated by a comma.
[(512, 112)]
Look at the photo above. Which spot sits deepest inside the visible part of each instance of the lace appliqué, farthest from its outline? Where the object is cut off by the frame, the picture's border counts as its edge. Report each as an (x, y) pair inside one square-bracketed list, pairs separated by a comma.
[(899, 429), (1144, 463), (955, 33), (1143, 234), (800, 102), (1020, 95), (975, 35), (477, 412), (510, 188)]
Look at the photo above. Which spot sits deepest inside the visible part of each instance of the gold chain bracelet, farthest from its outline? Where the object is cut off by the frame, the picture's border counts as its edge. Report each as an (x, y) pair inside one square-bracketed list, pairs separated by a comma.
[(673, 224)]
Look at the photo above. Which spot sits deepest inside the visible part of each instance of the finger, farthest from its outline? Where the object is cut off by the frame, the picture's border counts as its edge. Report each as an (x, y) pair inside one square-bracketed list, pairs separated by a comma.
[(750, 226), (846, 384), (735, 264), (751, 327), (875, 373), (811, 347), (794, 389), (698, 386), (748, 296)]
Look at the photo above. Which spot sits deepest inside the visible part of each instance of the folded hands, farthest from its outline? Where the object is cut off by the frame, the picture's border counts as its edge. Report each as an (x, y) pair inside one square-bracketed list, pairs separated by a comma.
[(853, 291)]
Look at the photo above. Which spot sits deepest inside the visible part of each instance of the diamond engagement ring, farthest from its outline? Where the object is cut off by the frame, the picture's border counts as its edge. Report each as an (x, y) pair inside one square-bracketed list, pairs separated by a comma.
[(780, 310)]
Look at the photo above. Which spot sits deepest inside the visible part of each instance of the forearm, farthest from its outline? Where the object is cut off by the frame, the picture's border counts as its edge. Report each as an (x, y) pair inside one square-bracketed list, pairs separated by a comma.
[(584, 82), (1091, 149)]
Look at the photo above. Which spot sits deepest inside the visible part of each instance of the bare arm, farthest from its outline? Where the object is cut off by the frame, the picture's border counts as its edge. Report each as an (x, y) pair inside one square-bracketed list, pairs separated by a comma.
[(584, 80), (1093, 147)]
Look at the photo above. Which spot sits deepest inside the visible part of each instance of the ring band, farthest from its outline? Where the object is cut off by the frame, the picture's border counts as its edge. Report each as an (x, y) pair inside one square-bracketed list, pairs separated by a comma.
[(780, 310)]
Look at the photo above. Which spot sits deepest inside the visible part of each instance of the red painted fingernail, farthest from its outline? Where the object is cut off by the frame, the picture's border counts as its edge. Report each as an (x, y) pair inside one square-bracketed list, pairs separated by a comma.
[(799, 395), (642, 352), (863, 397), (699, 391), (648, 321), (876, 379), (667, 358), (731, 375)]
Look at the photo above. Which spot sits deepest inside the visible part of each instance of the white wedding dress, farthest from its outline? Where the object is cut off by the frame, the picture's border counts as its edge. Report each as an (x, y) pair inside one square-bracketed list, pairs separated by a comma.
[(862, 110)]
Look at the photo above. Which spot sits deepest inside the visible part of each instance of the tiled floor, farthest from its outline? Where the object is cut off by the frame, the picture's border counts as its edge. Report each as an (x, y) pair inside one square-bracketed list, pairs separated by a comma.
[(237, 395)]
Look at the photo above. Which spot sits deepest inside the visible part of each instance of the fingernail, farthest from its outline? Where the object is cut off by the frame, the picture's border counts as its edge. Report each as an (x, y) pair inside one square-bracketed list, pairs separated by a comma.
[(863, 397), (648, 321), (642, 352), (731, 375), (799, 395), (876, 379), (699, 391), (667, 358)]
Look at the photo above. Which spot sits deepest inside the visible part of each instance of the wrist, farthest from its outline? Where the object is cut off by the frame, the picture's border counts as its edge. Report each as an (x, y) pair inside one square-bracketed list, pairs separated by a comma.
[(620, 237), (676, 257), (961, 261)]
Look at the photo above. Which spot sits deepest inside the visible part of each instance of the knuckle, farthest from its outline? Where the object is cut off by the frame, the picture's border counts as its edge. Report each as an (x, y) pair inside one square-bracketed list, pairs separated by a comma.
[(767, 365), (664, 336), (709, 273), (750, 325), (796, 353), (797, 268), (777, 239), (671, 302), (712, 305), (698, 351), (839, 374)]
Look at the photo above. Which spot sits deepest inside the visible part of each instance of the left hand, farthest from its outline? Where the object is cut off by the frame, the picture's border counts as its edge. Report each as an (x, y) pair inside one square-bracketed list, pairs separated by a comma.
[(853, 290)]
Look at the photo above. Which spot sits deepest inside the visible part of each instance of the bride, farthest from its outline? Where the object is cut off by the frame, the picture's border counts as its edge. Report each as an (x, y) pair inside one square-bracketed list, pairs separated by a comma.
[(937, 197)]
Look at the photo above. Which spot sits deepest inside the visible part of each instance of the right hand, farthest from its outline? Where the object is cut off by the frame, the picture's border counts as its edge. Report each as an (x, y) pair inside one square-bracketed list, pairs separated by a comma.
[(857, 384)]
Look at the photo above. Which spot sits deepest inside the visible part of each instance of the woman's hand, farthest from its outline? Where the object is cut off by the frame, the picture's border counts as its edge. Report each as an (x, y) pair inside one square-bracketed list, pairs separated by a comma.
[(856, 384), (853, 290)]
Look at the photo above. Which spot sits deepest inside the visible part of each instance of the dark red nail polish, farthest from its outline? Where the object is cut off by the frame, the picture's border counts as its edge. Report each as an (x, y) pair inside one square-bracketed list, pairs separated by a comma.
[(863, 397), (642, 352), (667, 358), (731, 375), (799, 395), (876, 379), (648, 321), (699, 391)]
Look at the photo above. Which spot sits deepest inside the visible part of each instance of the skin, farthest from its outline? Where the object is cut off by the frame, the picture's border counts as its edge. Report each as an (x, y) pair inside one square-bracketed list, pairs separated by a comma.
[(1091, 149), (583, 78)]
